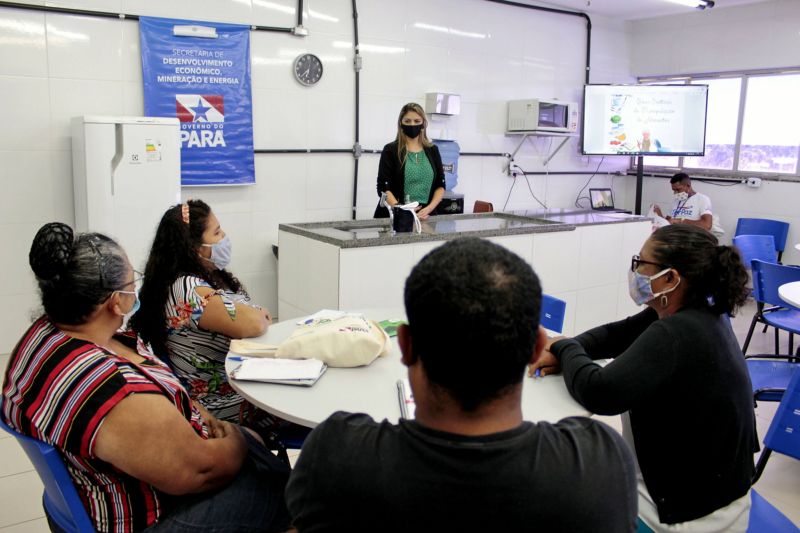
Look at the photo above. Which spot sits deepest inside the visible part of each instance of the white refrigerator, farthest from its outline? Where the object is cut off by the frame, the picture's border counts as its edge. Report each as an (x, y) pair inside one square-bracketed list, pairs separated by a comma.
[(126, 173)]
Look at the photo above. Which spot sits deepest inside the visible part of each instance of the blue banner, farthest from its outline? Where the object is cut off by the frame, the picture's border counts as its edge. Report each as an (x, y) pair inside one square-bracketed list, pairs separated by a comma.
[(205, 83)]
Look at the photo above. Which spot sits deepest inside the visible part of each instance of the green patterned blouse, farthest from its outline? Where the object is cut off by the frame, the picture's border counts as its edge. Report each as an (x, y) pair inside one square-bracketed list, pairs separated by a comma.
[(419, 178)]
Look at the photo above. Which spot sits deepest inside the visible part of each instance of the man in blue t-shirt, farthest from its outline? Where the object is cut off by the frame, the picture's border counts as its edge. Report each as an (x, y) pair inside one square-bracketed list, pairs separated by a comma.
[(468, 462)]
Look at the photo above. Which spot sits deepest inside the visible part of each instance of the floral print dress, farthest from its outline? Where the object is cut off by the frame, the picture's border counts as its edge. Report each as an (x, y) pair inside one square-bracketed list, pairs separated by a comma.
[(198, 355)]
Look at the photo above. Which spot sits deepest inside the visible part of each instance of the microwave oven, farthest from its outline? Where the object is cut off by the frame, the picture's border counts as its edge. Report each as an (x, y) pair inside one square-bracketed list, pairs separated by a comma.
[(542, 115)]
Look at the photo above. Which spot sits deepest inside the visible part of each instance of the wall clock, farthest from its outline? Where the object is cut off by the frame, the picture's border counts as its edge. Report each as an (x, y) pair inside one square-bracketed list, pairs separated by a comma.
[(307, 69)]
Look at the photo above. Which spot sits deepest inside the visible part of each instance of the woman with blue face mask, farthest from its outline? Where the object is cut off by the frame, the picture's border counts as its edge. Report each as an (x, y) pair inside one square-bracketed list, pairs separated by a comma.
[(192, 306), (679, 378)]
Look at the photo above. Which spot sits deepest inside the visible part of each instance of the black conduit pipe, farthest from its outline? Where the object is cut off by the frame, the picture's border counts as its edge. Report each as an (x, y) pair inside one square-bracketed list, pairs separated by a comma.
[(561, 12), (123, 16), (299, 12), (356, 146)]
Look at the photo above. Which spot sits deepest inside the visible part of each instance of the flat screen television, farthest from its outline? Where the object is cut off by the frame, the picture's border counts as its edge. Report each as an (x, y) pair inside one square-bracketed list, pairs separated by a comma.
[(644, 120)]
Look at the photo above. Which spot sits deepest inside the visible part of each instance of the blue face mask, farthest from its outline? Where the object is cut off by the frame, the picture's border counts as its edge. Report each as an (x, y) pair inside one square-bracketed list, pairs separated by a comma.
[(220, 253), (127, 316), (640, 286)]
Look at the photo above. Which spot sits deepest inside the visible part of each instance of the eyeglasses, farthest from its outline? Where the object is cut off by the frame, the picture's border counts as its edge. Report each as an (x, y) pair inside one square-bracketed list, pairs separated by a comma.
[(635, 262), (138, 277)]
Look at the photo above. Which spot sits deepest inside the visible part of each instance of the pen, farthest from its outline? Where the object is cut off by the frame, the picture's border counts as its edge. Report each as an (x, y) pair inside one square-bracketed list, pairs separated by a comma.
[(236, 358), (538, 373)]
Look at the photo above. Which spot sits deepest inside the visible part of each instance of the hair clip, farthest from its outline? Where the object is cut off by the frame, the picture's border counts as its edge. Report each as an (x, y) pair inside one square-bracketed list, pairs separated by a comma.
[(185, 213)]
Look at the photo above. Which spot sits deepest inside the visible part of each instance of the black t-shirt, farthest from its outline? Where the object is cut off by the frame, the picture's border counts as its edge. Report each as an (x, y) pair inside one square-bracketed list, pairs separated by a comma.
[(359, 475)]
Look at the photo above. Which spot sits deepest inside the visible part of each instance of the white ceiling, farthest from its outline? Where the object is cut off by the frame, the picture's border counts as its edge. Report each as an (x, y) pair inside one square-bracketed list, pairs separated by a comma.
[(634, 9)]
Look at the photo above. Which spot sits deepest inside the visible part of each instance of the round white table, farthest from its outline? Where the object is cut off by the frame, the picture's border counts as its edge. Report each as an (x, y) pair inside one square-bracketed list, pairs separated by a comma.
[(790, 293), (373, 389)]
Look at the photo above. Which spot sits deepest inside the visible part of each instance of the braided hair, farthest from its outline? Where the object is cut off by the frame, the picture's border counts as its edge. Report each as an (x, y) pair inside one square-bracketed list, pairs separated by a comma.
[(75, 274)]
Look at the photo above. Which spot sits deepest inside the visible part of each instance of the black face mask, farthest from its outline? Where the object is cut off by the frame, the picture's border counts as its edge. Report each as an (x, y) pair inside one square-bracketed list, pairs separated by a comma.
[(411, 131)]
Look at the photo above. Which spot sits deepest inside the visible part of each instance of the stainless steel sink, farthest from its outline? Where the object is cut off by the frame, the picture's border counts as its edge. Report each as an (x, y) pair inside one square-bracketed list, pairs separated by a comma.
[(361, 229)]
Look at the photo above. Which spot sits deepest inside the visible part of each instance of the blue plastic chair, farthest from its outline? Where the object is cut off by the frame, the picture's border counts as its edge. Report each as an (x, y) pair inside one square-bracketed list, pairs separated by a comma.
[(764, 226), (769, 376), (767, 277), (761, 247), (60, 500), (552, 314), (766, 518), (783, 435)]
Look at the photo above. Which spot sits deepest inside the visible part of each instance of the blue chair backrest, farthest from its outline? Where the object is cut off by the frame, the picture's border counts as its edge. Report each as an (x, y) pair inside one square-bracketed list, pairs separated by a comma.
[(764, 226), (552, 315), (61, 500), (783, 435), (767, 277), (761, 247)]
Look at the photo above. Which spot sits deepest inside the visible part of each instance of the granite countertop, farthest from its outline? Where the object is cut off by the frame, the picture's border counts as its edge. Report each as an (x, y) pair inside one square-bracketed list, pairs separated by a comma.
[(376, 232), (580, 217)]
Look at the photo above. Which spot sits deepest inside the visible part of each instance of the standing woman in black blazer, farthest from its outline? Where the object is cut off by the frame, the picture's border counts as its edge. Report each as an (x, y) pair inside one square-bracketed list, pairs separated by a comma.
[(411, 167)]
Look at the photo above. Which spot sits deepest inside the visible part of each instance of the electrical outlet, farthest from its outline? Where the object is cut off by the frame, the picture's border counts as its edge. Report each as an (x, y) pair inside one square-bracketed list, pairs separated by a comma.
[(755, 183)]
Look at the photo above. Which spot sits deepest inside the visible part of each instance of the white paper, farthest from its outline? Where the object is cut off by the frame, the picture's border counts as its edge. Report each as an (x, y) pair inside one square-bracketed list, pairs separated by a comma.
[(658, 221), (329, 314), (283, 370)]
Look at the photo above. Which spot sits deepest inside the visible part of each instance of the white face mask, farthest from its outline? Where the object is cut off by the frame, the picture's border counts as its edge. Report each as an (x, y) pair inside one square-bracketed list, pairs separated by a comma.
[(681, 196)]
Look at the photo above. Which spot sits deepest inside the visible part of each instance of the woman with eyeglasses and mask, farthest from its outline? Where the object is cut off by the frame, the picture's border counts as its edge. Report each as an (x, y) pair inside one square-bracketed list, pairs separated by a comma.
[(411, 169), (680, 380), (192, 306), (140, 452)]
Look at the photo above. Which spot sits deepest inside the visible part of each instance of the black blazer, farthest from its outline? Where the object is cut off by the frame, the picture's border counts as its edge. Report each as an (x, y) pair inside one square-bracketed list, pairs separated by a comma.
[(391, 174)]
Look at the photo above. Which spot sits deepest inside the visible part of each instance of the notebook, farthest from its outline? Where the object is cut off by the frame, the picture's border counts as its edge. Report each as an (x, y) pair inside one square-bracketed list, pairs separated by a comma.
[(601, 199), (303, 372), (406, 398)]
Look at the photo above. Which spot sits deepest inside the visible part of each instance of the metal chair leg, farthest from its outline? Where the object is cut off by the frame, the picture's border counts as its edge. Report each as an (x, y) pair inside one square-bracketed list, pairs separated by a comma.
[(777, 341), (762, 463), (749, 334)]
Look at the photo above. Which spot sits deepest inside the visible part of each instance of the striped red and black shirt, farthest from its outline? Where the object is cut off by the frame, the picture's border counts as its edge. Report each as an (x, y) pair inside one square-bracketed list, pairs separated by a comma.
[(58, 389)]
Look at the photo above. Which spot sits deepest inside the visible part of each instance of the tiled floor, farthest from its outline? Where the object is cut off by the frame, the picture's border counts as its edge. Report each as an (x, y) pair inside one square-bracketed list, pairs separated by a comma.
[(21, 490)]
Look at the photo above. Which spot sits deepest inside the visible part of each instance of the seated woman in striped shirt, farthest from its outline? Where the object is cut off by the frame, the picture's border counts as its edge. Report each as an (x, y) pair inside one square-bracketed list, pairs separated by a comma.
[(142, 454)]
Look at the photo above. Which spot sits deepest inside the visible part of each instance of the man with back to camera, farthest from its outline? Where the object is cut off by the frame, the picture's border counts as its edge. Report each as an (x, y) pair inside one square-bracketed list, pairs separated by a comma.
[(690, 207), (468, 462)]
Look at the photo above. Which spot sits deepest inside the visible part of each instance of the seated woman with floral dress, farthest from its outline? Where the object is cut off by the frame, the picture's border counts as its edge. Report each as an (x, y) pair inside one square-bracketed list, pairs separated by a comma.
[(192, 307)]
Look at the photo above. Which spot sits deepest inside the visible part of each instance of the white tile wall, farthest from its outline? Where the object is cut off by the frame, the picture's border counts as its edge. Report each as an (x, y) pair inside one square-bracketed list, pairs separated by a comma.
[(84, 47), (24, 30), (55, 66), (758, 35), (30, 113)]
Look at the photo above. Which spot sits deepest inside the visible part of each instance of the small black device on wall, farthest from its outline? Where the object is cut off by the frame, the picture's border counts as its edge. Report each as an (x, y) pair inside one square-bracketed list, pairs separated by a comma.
[(307, 69)]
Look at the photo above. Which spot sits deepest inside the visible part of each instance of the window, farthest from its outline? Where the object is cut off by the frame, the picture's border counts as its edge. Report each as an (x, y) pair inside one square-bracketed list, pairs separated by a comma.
[(771, 132), (757, 134), (721, 119)]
